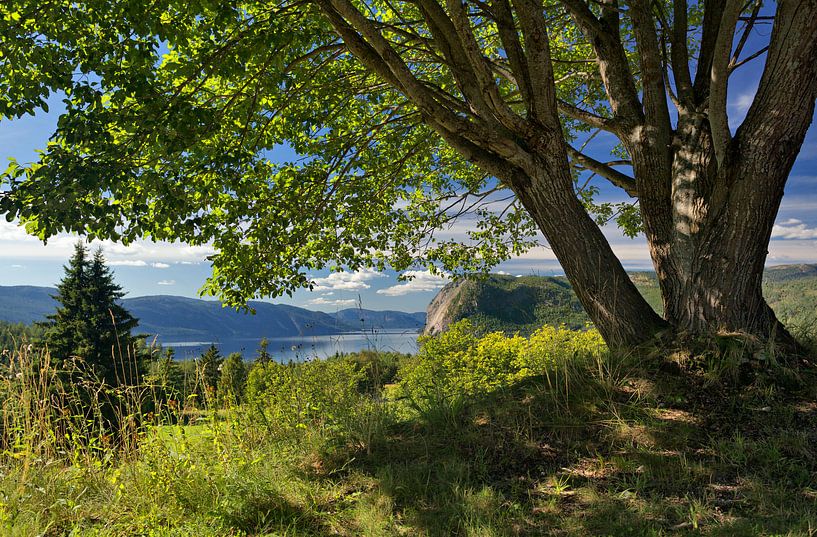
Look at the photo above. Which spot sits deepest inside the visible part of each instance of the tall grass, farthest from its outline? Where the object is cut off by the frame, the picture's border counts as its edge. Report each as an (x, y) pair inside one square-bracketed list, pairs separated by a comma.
[(475, 435), (66, 411)]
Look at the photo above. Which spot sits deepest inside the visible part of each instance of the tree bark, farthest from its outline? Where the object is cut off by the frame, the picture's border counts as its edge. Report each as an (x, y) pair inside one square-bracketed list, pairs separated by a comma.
[(725, 200), (617, 308)]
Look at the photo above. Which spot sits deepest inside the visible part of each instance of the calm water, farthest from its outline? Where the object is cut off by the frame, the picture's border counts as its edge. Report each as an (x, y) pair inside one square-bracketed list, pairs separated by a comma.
[(303, 347)]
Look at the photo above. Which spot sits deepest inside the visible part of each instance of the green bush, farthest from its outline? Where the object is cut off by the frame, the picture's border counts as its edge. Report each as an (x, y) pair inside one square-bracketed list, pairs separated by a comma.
[(319, 394), (379, 368), (459, 363), (233, 379)]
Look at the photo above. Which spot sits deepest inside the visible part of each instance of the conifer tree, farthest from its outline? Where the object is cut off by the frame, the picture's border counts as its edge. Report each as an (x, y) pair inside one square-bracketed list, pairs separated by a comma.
[(90, 323), (209, 371), (262, 355), (233, 379)]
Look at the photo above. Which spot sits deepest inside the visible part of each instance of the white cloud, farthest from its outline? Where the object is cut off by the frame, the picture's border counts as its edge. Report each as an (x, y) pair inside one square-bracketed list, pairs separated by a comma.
[(743, 101), (320, 301), (160, 265), (422, 281), (17, 266), (127, 263), (166, 282), (346, 281), (16, 243), (793, 229), (739, 106)]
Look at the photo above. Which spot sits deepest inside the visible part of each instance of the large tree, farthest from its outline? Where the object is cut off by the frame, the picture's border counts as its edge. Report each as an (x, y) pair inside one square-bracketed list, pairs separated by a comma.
[(405, 114)]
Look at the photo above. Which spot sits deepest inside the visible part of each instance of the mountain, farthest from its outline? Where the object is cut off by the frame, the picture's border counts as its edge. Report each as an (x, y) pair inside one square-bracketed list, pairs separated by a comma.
[(179, 318), (498, 302), (175, 318), (785, 273), (381, 320), (25, 303)]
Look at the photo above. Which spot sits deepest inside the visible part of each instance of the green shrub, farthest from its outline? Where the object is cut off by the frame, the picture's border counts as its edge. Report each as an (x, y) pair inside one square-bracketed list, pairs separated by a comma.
[(233, 379), (459, 364), (319, 394), (378, 368)]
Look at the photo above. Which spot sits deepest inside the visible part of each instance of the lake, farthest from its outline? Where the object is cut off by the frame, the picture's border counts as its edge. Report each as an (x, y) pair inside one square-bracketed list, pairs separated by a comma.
[(300, 348)]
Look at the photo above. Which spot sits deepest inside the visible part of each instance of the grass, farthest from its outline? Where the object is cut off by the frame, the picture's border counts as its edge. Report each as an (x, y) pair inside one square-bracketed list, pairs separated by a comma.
[(598, 446)]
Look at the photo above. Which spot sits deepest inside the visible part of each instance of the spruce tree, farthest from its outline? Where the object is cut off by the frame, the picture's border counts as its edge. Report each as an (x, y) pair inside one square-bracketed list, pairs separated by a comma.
[(113, 349), (209, 371), (233, 379), (90, 323)]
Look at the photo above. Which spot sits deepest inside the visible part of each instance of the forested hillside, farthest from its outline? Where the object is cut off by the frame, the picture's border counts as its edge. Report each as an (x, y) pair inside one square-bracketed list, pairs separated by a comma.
[(176, 318), (511, 304)]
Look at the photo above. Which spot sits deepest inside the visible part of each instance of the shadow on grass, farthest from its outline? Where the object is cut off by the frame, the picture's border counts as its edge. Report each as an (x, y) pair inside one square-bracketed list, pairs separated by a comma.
[(651, 455), (265, 513)]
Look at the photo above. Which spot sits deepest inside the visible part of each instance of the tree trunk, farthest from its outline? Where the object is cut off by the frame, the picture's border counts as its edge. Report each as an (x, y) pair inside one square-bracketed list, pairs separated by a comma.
[(720, 244), (617, 308)]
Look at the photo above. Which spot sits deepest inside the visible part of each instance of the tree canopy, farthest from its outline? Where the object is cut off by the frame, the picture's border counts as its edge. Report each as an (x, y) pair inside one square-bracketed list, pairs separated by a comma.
[(399, 117), (174, 117)]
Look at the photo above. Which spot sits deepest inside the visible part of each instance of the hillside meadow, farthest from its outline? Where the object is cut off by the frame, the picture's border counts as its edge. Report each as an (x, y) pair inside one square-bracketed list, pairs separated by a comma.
[(476, 435)]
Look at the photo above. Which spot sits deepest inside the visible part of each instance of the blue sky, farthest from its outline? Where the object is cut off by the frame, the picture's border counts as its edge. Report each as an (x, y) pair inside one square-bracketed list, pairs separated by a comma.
[(147, 268)]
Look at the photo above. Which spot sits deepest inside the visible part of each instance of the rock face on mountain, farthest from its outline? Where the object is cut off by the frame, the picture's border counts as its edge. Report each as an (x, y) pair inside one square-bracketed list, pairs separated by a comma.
[(442, 309), (509, 304), (499, 302)]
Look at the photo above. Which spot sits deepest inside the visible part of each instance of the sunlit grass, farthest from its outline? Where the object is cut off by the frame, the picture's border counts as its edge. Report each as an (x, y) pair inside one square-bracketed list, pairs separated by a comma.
[(591, 444)]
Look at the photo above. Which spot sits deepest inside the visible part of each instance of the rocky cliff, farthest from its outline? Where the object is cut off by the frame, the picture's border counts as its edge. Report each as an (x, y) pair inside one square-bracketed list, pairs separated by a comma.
[(509, 304), (498, 302)]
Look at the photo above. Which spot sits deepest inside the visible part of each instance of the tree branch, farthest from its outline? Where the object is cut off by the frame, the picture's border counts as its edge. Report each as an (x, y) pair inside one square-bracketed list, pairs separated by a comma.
[(479, 66), (745, 34), (783, 107), (513, 49), (537, 49), (652, 74), (588, 118), (612, 60), (367, 44), (719, 79), (679, 53), (713, 13), (617, 178), (733, 67)]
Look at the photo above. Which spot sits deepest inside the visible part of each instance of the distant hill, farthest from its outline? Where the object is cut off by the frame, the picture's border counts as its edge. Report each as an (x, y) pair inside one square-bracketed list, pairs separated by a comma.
[(499, 302), (362, 319), (175, 318), (785, 273), (791, 291), (25, 303)]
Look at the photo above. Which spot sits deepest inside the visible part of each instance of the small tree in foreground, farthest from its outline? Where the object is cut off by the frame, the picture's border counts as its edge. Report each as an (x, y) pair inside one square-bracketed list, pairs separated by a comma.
[(233, 379), (208, 371)]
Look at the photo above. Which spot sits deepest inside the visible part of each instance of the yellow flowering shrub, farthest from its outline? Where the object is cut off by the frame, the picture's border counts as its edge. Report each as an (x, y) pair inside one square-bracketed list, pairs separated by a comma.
[(458, 363)]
